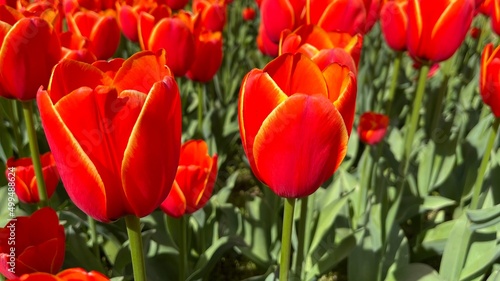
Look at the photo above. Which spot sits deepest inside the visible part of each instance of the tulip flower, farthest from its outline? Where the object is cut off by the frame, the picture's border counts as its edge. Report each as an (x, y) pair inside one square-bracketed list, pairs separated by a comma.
[(489, 82), (25, 181), (18, 78), (437, 28), (372, 8), (101, 29), (208, 57), (194, 181), (372, 127), (339, 15), (212, 14), (71, 274), (279, 15), (294, 122), (38, 245), (495, 16), (174, 34), (106, 163), (248, 14), (265, 45), (176, 4), (394, 24)]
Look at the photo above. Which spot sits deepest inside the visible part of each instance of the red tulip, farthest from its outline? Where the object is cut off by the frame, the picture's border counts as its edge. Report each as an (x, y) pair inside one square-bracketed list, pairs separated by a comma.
[(212, 14), (339, 15), (101, 29), (25, 180), (489, 82), (372, 127), (71, 274), (372, 8), (194, 181), (264, 43), (437, 28), (495, 17), (28, 43), (109, 154), (32, 244), (278, 15), (394, 24), (176, 4), (248, 14), (208, 57), (172, 34), (294, 122)]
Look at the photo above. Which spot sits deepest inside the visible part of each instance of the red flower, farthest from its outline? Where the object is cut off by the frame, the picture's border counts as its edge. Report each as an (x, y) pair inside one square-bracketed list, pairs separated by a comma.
[(212, 14), (19, 53), (339, 15), (25, 180), (372, 127), (71, 274), (394, 24), (102, 135), (294, 122), (32, 244), (174, 34), (437, 28), (194, 181), (208, 57), (102, 30), (489, 82), (248, 14)]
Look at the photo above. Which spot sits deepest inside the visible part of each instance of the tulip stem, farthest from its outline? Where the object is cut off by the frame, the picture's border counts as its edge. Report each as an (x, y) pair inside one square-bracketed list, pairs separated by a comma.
[(93, 236), (201, 90), (136, 250), (301, 243), (286, 239), (394, 82), (183, 251), (35, 153), (415, 114), (15, 128), (484, 163)]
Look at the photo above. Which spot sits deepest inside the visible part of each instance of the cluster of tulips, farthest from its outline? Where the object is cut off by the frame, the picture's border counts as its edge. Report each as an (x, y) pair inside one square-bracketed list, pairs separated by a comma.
[(114, 126)]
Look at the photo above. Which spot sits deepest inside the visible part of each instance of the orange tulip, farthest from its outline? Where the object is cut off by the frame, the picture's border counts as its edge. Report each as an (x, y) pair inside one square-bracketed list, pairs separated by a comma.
[(489, 82), (126, 117), (372, 127), (194, 181), (29, 42), (38, 244), (294, 122), (25, 180), (339, 15), (437, 28), (394, 24)]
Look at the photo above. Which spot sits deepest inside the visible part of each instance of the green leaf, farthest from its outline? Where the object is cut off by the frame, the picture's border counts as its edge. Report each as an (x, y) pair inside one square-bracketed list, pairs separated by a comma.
[(415, 272), (484, 217), (435, 164), (455, 250), (483, 251), (77, 252)]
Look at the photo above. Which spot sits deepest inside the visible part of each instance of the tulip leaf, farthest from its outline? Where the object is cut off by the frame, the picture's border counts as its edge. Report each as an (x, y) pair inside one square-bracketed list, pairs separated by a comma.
[(436, 238), (77, 252), (484, 217), (212, 255), (455, 250), (435, 164), (415, 272)]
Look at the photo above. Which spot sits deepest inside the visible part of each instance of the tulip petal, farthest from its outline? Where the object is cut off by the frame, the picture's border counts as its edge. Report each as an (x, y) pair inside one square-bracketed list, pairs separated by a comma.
[(141, 71), (300, 145), (158, 126), (277, 15), (342, 92), (175, 203), (344, 16), (259, 96), (194, 152), (80, 176), (295, 73), (69, 75), (145, 25), (191, 180), (209, 183), (105, 37), (491, 91)]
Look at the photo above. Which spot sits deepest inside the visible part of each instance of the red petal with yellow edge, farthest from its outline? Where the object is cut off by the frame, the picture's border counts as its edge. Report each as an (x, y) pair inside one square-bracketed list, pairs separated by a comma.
[(79, 175), (18, 76), (335, 55), (295, 73), (209, 184), (175, 203), (152, 154), (314, 35), (53, 252), (300, 145), (415, 27), (491, 91), (450, 30), (259, 96), (69, 75), (344, 16), (81, 274), (145, 25), (85, 22), (105, 37), (486, 58), (195, 152), (141, 71), (277, 15), (9, 15), (191, 180)]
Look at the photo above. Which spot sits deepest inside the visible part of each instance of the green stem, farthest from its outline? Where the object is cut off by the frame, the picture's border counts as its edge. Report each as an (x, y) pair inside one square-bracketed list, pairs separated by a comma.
[(484, 163), (415, 114), (286, 238), (35, 154), (201, 88), (16, 128), (301, 243), (394, 82), (93, 236), (136, 250), (438, 107), (183, 251)]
